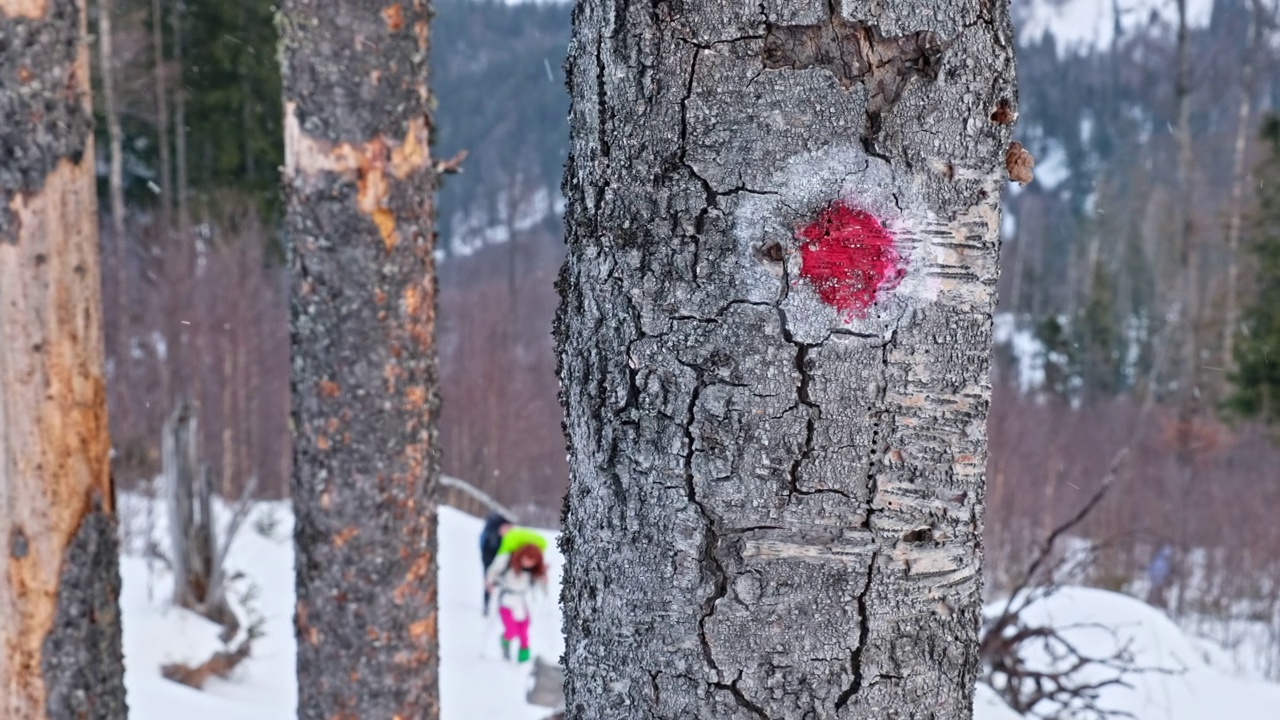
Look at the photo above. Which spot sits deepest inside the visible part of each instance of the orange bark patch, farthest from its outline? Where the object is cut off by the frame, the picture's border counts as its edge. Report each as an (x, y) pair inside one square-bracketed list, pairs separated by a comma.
[(413, 579), (412, 154), (386, 222), (30, 9), (412, 300), (392, 374), (52, 396), (380, 296), (420, 29), (365, 163), (344, 537), (415, 397), (394, 16), (329, 389), (373, 192), (322, 442), (426, 627)]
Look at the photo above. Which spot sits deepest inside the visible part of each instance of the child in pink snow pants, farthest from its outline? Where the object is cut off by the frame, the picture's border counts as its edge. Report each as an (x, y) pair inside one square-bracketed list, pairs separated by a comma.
[(513, 576)]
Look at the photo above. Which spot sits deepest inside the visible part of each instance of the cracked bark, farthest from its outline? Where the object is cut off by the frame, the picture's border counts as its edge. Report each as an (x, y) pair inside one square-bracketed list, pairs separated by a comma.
[(359, 184), (60, 654), (775, 509)]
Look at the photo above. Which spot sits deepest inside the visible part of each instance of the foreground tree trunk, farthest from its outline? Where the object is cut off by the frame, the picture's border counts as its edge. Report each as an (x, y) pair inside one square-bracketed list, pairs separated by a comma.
[(774, 345), (60, 652), (359, 184)]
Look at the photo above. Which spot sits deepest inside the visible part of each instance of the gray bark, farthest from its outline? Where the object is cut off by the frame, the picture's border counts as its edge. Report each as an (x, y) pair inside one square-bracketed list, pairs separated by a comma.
[(775, 505), (358, 186)]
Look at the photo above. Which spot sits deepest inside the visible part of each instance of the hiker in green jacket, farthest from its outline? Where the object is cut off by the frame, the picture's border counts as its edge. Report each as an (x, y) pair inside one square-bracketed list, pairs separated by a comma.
[(515, 572)]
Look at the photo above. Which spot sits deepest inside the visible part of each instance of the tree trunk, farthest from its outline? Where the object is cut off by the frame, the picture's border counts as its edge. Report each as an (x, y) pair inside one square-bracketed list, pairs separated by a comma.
[(358, 186), (115, 191), (774, 343), (162, 119), (1189, 289), (115, 149), (229, 418), (191, 534), (59, 581), (180, 124)]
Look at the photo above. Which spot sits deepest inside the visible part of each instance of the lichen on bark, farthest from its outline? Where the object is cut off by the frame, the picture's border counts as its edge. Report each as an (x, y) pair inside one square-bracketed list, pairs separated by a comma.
[(81, 658), (42, 112)]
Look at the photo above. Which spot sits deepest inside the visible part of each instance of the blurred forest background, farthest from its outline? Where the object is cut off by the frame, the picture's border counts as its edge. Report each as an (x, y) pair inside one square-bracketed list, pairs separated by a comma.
[(1138, 300)]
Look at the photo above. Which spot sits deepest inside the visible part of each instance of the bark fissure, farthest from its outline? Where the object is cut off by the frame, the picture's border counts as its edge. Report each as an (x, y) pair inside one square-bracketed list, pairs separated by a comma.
[(711, 531), (742, 700)]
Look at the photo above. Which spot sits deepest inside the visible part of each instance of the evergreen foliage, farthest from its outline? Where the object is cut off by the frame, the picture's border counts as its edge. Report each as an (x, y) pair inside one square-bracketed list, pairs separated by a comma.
[(1256, 380), (232, 82), (497, 74)]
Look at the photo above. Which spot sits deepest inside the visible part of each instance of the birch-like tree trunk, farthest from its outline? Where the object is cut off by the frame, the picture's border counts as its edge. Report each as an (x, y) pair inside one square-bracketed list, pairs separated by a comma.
[(115, 194), (115, 135), (160, 74), (774, 347), (180, 126), (359, 184), (60, 656)]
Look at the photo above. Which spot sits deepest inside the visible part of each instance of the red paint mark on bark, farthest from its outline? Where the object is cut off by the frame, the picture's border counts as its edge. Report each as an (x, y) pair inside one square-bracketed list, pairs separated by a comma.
[(848, 257)]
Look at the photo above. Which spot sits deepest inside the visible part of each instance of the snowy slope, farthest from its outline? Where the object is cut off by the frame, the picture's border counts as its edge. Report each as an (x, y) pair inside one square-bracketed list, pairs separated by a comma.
[(477, 685), (1176, 680)]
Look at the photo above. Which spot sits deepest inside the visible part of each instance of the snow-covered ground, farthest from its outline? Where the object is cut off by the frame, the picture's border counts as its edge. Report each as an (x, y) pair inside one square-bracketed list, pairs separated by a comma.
[(1173, 676), (476, 684)]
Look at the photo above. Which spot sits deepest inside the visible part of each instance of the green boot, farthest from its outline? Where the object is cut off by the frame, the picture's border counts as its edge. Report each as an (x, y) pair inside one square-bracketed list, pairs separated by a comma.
[(523, 656), (506, 649)]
